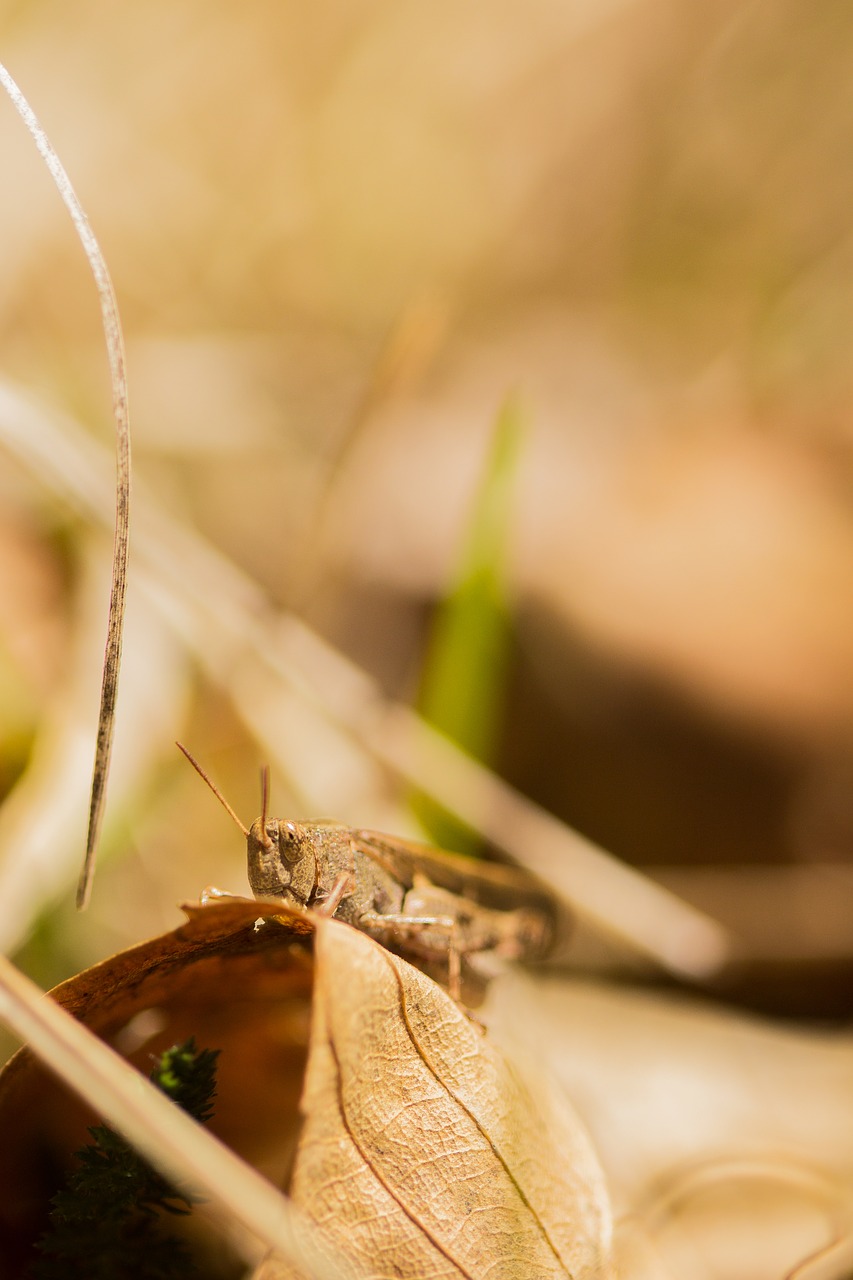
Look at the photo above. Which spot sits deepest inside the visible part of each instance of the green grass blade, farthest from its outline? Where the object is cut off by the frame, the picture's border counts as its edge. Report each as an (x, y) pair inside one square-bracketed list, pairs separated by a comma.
[(464, 679)]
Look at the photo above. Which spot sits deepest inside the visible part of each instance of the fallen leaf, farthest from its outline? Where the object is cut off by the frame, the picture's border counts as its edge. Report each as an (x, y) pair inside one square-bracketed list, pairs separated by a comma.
[(242, 1207), (424, 1152), (244, 991)]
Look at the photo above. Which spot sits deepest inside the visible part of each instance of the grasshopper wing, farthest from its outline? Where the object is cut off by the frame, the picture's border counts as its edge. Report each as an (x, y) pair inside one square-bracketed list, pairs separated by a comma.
[(489, 884)]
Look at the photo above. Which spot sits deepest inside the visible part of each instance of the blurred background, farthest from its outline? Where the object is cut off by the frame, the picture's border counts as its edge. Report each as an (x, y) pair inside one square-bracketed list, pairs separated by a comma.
[(341, 235)]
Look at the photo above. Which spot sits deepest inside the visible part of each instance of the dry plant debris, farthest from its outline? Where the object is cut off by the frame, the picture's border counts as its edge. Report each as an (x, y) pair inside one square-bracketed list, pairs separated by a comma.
[(421, 1150)]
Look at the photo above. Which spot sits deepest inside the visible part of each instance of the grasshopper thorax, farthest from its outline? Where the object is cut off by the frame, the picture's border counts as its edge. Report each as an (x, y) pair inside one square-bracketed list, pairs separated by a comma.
[(281, 860)]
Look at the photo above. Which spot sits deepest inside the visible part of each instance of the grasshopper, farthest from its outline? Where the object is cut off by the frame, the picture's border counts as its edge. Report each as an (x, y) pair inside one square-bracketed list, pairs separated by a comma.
[(435, 905)]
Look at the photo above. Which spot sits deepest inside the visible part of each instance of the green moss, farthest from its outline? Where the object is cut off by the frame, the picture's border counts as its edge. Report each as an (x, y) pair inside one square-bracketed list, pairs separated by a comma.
[(106, 1221)]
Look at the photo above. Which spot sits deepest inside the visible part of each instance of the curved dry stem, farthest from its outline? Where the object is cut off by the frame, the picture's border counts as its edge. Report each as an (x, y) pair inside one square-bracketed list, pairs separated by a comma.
[(834, 1261), (816, 1184), (118, 591), (783, 1168)]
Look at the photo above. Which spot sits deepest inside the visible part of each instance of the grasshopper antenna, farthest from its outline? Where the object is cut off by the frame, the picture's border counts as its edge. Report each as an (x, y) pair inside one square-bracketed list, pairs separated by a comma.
[(265, 800), (219, 796), (265, 796)]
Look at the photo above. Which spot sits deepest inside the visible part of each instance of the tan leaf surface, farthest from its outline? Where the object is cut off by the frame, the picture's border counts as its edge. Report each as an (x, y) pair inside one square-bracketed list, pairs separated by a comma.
[(423, 1152)]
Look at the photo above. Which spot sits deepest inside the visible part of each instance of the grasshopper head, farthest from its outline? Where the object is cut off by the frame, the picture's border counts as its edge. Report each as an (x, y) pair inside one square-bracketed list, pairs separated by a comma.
[(281, 860), (281, 857)]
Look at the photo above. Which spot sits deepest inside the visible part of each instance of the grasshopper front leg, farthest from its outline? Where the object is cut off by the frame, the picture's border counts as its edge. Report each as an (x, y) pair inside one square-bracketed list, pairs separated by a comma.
[(328, 905)]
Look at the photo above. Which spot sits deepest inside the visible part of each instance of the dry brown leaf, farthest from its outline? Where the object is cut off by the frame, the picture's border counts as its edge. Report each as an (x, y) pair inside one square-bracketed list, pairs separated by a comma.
[(244, 991), (424, 1152)]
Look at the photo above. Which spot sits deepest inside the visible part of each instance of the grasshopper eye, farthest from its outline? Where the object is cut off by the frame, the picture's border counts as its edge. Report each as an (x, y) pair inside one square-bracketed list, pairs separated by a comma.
[(289, 843)]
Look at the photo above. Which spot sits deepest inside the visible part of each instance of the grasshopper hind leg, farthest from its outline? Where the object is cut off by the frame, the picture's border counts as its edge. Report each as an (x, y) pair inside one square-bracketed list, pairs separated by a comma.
[(433, 937)]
